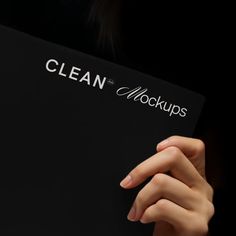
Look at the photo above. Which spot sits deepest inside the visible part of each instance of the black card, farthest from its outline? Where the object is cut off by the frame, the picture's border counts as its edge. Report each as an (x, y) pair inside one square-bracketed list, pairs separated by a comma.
[(72, 126)]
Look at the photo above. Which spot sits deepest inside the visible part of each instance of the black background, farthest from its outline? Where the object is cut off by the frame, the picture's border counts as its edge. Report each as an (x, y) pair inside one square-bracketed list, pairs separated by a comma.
[(179, 43), (66, 145)]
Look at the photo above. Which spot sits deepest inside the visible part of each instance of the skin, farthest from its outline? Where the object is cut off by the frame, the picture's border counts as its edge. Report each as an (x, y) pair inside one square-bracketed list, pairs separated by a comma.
[(178, 197)]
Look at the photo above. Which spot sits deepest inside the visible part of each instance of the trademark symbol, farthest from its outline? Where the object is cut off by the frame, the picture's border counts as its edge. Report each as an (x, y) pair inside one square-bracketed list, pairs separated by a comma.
[(110, 81)]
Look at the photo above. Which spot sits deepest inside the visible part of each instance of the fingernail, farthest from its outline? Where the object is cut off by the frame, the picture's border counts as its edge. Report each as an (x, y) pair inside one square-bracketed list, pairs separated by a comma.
[(162, 143), (142, 220), (132, 214), (126, 181)]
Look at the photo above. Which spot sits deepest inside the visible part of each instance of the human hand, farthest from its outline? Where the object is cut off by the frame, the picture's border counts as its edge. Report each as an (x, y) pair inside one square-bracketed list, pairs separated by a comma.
[(177, 198)]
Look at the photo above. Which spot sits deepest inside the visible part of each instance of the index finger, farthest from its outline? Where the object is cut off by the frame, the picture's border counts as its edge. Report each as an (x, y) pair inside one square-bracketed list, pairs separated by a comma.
[(170, 160)]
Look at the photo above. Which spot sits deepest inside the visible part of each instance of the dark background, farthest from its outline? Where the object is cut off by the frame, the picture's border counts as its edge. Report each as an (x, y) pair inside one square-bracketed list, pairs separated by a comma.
[(178, 43)]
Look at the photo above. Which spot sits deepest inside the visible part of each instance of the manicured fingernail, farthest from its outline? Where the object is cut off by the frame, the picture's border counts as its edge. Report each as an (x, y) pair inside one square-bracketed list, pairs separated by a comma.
[(132, 214), (126, 181), (162, 143)]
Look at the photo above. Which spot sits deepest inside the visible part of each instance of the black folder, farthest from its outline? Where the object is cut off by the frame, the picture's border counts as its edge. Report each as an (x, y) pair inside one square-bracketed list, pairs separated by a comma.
[(72, 126)]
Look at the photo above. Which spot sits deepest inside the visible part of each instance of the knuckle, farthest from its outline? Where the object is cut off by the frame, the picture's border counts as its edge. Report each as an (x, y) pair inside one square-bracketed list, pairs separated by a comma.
[(200, 229), (210, 191), (162, 205), (173, 138), (140, 199), (174, 151), (138, 172), (199, 226), (206, 208), (211, 210), (158, 179), (174, 154), (200, 146)]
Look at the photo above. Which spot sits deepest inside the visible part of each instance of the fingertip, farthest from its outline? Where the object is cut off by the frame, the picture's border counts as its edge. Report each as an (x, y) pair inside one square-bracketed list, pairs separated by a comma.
[(126, 182), (132, 214), (162, 144), (143, 220)]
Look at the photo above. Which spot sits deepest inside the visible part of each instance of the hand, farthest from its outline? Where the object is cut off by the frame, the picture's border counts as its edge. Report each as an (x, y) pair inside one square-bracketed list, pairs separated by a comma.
[(177, 198)]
